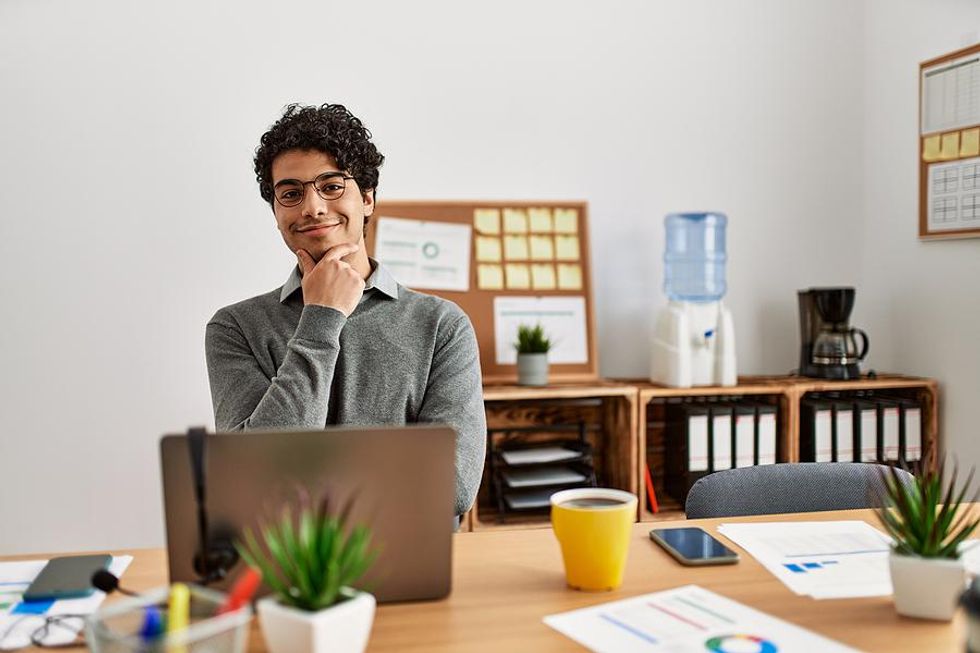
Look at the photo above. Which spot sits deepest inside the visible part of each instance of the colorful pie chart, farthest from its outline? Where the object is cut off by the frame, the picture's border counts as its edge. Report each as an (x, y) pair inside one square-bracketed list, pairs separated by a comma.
[(740, 644)]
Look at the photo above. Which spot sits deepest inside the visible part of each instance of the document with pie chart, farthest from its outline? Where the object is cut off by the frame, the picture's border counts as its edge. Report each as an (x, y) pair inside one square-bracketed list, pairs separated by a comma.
[(423, 254), (685, 619)]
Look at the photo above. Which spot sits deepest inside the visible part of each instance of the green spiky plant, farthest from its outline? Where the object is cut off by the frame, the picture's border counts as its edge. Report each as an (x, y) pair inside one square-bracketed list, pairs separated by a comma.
[(310, 559), (928, 518), (531, 340)]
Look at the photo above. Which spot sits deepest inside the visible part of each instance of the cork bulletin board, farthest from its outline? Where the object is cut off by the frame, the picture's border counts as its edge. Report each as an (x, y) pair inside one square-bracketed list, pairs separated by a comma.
[(503, 263), (949, 145)]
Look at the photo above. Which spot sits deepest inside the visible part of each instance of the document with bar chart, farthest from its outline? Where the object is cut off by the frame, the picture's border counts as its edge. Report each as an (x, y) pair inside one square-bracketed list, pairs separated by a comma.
[(822, 559), (685, 619)]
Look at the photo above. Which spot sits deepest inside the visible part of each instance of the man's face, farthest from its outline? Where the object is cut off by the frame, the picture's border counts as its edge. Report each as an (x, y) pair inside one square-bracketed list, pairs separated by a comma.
[(317, 224)]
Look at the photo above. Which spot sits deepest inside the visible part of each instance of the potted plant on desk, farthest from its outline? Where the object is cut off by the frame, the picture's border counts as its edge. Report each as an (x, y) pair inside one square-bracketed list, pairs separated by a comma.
[(928, 520), (311, 562), (532, 355)]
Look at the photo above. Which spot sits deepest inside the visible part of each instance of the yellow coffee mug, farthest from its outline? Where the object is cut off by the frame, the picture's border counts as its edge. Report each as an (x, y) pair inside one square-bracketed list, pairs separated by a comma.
[(593, 527)]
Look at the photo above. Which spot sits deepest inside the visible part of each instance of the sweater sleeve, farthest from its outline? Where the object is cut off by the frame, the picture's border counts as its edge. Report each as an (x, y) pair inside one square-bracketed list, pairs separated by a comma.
[(243, 395), (454, 396)]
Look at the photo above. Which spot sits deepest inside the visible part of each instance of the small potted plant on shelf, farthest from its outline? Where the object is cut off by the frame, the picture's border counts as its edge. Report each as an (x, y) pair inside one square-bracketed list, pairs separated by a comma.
[(928, 519), (311, 561), (532, 355)]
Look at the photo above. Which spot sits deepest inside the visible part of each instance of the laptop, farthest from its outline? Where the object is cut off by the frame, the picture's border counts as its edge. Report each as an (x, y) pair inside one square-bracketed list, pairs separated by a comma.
[(401, 481)]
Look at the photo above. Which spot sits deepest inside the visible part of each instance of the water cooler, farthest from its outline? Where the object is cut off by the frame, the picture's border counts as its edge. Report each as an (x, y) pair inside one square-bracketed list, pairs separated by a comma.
[(694, 337)]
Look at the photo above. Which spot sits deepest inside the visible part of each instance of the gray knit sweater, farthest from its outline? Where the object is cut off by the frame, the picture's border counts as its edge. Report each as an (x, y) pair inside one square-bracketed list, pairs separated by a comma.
[(401, 357)]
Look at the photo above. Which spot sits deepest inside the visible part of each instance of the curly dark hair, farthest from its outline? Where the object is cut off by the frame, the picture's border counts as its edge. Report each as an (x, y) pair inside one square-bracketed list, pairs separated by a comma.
[(329, 128)]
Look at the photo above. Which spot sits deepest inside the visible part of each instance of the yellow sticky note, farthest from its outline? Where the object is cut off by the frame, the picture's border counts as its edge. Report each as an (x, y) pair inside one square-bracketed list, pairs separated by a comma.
[(515, 221), (566, 221), (970, 142), (540, 220), (487, 248), (950, 147), (487, 221), (490, 277), (931, 148), (566, 248), (515, 248), (543, 276), (542, 248), (518, 277), (569, 276)]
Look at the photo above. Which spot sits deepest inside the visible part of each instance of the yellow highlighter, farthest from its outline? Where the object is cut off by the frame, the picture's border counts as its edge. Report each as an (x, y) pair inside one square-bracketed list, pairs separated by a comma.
[(178, 611)]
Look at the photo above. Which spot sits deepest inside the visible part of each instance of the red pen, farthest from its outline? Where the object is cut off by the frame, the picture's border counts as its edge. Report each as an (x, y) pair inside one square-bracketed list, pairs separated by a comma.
[(242, 591)]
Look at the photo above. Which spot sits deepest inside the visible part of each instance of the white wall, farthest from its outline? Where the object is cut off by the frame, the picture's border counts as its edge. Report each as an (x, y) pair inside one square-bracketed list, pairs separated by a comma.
[(925, 316), (130, 212)]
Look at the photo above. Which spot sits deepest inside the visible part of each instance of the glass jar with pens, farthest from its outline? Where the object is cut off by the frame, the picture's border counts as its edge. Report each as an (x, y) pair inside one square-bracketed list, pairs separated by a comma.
[(180, 618)]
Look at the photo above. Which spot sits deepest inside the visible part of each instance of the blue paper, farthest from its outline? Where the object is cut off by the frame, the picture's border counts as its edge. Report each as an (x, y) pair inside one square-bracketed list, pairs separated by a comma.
[(33, 607)]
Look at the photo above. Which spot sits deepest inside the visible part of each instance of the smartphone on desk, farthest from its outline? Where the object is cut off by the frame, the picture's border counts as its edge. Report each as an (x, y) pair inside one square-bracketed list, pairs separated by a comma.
[(693, 546), (69, 577)]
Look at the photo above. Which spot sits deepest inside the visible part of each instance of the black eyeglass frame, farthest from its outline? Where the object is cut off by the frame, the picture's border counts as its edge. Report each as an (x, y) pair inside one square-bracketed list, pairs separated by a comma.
[(326, 175)]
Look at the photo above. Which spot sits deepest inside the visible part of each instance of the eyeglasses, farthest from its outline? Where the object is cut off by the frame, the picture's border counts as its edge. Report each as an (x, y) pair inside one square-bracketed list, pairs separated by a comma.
[(329, 186)]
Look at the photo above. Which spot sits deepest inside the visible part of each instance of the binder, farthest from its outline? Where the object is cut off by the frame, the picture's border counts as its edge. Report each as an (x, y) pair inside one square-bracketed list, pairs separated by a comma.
[(699, 447), (688, 447), (765, 434), (721, 437), (745, 435), (816, 431), (910, 431), (888, 428), (843, 431), (866, 431)]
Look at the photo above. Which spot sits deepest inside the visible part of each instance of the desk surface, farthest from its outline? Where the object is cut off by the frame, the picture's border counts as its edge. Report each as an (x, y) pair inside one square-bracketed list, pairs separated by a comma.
[(505, 582)]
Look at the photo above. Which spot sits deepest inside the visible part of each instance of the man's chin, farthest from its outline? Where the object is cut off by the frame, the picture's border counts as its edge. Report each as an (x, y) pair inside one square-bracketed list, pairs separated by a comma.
[(321, 249)]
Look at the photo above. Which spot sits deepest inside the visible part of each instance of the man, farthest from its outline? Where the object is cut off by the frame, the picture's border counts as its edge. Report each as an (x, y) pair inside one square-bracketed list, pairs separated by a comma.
[(341, 342)]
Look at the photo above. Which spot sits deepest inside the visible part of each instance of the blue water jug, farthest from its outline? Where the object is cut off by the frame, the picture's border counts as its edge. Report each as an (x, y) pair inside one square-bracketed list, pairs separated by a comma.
[(694, 259)]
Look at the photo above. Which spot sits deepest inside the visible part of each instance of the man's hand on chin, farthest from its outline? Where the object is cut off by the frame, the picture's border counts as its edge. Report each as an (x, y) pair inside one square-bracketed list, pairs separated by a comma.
[(332, 281)]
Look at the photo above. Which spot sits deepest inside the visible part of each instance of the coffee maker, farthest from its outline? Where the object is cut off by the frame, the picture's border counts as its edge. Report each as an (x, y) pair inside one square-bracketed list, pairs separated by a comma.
[(828, 345)]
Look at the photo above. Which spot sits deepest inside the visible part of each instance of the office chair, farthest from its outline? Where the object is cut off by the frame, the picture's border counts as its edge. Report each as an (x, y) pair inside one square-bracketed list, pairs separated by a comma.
[(787, 487)]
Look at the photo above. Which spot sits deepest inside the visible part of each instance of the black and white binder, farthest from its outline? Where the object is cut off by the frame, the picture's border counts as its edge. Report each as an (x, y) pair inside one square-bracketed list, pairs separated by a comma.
[(866, 431), (765, 431), (745, 435), (721, 437), (888, 428), (843, 431)]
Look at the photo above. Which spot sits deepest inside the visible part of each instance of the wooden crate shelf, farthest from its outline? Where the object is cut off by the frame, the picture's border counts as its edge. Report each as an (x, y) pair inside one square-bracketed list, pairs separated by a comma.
[(783, 391), (624, 424), (609, 412)]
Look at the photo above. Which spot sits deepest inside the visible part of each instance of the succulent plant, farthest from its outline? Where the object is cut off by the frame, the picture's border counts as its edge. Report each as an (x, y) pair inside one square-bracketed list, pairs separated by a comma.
[(531, 340), (308, 556), (928, 517)]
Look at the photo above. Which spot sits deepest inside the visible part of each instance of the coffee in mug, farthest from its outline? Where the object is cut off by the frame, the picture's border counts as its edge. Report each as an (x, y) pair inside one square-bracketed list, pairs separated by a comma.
[(593, 527)]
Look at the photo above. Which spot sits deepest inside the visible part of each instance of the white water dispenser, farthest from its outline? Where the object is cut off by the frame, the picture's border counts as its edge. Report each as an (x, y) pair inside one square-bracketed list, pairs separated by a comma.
[(694, 337)]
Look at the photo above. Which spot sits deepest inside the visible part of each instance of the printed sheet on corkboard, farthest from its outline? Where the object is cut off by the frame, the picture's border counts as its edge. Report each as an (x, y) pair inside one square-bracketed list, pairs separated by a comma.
[(505, 264), (949, 145)]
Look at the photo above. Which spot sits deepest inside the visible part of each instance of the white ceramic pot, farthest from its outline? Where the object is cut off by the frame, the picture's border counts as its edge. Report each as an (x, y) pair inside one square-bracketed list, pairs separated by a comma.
[(341, 628), (532, 369), (927, 588)]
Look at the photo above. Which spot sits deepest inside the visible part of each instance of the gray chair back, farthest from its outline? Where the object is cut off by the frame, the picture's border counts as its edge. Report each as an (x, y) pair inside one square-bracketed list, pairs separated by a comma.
[(787, 487)]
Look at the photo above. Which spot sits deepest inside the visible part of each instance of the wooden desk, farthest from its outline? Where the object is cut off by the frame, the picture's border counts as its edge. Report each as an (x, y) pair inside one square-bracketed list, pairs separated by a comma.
[(506, 581)]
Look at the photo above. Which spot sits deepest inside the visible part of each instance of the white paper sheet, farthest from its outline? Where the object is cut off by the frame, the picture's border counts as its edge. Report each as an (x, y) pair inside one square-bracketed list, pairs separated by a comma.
[(16, 629), (836, 559), (563, 320), (425, 254), (951, 94), (685, 619), (535, 476), (539, 455), (953, 195)]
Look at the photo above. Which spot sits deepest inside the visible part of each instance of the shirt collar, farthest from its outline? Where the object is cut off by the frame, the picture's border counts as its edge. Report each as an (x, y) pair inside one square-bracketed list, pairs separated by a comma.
[(379, 279)]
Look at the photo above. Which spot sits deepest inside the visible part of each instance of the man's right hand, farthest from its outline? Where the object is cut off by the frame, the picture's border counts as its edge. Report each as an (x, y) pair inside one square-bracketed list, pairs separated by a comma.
[(331, 281)]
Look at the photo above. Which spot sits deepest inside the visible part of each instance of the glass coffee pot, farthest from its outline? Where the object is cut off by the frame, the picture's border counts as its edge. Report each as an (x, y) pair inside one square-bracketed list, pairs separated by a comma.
[(840, 347), (829, 347)]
